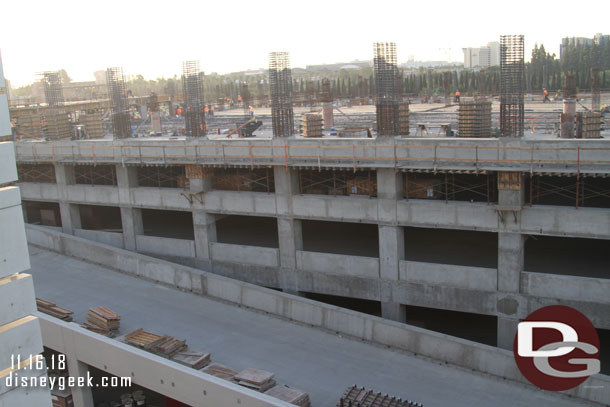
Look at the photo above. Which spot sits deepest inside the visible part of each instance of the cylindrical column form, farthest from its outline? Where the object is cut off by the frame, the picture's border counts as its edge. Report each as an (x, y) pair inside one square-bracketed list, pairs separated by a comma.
[(567, 118)]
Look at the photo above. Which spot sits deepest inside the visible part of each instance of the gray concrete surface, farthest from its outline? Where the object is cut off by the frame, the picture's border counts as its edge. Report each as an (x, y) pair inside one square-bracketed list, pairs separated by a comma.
[(311, 359)]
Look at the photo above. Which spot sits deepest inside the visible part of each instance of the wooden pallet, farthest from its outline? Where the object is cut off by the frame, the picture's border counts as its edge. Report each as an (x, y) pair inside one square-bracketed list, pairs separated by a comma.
[(256, 379), (220, 371), (192, 358), (54, 310), (143, 339), (289, 395)]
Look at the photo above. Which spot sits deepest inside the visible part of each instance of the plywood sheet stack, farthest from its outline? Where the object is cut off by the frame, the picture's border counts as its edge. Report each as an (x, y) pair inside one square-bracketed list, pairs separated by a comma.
[(103, 321), (290, 395), (54, 310), (256, 379), (311, 125)]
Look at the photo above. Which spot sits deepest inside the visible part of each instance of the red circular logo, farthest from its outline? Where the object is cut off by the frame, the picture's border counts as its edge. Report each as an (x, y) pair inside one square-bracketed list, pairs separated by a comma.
[(556, 348)]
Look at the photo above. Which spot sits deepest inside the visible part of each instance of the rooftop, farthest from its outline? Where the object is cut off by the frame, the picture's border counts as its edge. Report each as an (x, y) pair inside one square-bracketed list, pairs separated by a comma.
[(316, 361)]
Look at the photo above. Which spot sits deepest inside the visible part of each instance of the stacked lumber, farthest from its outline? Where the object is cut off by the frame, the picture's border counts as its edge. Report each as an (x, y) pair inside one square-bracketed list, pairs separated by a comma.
[(259, 380), (220, 371), (168, 346), (103, 321), (355, 396), (290, 395), (54, 310), (311, 125), (192, 358)]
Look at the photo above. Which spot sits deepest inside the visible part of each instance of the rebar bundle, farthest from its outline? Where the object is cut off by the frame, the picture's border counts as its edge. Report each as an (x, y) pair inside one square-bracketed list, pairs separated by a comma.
[(511, 85), (192, 86), (280, 81), (53, 88), (119, 106), (595, 90), (386, 88)]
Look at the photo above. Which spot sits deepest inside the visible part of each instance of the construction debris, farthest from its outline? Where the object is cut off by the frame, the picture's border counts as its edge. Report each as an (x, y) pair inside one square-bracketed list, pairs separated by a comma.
[(192, 358), (54, 310), (103, 321), (289, 395), (220, 371), (256, 379), (355, 396)]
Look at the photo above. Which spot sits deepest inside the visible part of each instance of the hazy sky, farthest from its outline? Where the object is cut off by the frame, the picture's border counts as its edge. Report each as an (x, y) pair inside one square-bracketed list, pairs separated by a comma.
[(152, 37)]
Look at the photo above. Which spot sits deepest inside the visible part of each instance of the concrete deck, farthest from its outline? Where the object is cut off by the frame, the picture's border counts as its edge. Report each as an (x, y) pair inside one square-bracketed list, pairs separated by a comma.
[(313, 360)]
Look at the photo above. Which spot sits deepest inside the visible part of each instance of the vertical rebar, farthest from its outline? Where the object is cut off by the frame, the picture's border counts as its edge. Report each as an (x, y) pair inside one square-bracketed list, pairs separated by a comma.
[(119, 105), (280, 82), (192, 86), (386, 88), (511, 85)]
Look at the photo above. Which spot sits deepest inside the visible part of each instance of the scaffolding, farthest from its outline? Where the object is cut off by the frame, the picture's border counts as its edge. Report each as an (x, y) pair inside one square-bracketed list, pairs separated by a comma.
[(171, 176), (192, 87), (580, 190), (119, 106), (36, 173), (450, 186), (244, 179), (280, 81), (95, 174), (386, 88), (511, 85), (338, 182)]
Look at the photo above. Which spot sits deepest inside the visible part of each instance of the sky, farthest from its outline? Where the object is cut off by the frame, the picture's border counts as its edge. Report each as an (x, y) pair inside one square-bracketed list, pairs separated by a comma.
[(152, 37)]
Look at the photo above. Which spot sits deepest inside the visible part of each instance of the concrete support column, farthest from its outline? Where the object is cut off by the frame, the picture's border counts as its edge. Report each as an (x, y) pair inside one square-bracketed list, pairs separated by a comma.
[(391, 252), (511, 255), (81, 396), (70, 214), (290, 235), (507, 328), (204, 223), (391, 240), (204, 227), (131, 218), (286, 185), (290, 241)]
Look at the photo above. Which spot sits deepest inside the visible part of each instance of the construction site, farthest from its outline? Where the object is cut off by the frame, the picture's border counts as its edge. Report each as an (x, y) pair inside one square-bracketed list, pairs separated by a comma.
[(313, 252)]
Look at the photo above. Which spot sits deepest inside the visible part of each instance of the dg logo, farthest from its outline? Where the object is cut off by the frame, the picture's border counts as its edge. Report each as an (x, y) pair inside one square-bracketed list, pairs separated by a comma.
[(557, 348)]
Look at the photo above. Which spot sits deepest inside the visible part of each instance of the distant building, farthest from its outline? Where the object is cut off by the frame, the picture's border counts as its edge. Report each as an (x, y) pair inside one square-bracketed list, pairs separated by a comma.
[(483, 57), (599, 39)]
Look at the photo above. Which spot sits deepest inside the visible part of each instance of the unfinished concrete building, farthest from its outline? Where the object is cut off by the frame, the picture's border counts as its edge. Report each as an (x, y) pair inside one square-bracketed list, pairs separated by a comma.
[(459, 236), (417, 231)]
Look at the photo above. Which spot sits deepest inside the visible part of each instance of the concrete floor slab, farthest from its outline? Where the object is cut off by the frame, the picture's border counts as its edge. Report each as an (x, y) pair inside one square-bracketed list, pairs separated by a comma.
[(313, 360)]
